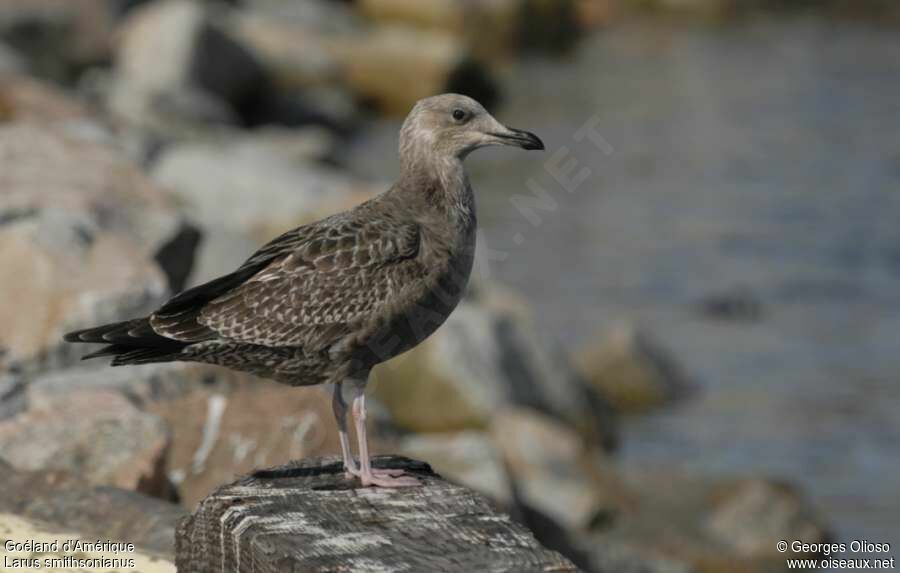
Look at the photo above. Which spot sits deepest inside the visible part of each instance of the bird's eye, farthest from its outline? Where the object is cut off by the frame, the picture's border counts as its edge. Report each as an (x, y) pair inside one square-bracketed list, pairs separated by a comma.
[(459, 114)]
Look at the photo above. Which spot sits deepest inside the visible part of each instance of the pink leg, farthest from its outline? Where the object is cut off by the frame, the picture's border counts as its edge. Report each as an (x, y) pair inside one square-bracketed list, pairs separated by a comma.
[(350, 468), (368, 476), (339, 407)]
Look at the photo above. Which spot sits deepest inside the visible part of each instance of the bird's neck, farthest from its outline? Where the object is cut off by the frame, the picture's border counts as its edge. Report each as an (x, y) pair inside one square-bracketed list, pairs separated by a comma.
[(442, 181)]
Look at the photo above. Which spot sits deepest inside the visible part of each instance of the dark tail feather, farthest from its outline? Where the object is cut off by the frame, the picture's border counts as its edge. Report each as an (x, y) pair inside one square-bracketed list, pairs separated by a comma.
[(110, 350), (128, 355), (91, 334), (145, 356), (130, 341)]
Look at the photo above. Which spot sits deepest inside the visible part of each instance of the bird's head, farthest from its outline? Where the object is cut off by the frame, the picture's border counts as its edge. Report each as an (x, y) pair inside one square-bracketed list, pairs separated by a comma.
[(453, 125)]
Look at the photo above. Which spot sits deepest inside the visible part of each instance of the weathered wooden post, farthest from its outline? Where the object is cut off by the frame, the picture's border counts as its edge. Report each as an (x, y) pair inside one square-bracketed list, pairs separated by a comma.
[(306, 516)]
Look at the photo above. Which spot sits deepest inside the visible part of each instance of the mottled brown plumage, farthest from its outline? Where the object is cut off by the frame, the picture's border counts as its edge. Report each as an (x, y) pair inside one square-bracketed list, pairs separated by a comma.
[(327, 301)]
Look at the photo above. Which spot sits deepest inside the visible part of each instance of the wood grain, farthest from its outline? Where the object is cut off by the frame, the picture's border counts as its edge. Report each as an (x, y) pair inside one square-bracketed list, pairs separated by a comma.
[(306, 516)]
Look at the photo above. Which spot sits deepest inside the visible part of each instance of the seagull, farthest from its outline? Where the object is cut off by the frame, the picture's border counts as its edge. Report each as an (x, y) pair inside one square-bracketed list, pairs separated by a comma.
[(326, 302)]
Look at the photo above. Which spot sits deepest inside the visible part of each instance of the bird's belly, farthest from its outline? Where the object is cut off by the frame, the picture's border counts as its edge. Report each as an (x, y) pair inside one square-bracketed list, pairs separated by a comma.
[(285, 364)]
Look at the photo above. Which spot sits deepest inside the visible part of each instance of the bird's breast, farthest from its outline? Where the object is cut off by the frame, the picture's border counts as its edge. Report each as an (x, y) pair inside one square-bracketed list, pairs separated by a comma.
[(424, 304)]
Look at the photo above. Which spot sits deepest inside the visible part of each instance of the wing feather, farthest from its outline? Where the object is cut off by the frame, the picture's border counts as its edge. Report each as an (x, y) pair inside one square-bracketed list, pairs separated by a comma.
[(339, 273)]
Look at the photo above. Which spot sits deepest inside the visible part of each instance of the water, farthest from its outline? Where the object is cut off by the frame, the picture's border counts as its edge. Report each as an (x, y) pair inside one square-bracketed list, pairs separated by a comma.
[(759, 157)]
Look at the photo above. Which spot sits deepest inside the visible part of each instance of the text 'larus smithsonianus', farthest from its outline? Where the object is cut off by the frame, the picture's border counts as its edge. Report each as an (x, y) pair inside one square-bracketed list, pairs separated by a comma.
[(328, 301)]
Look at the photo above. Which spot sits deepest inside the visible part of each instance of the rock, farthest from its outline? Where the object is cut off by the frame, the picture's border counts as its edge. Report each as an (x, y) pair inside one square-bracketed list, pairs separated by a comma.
[(80, 171), (491, 29), (85, 231), (549, 26), (548, 465), (468, 458), (176, 66), (68, 503), (487, 356), (219, 433), (59, 37), (608, 519), (214, 182), (631, 371), (220, 423), (708, 7), (143, 384), (755, 514), (27, 99), (68, 273), (308, 145), (389, 66), (394, 67), (611, 557), (591, 14), (325, 17), (10, 61), (329, 106), (307, 516), (12, 395), (709, 524), (78, 167), (295, 55), (527, 462), (99, 436), (221, 250), (306, 84), (22, 530), (735, 305)]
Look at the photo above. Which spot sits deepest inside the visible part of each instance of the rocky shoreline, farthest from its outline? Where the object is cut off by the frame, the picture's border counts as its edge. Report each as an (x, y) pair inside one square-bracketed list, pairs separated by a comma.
[(149, 146)]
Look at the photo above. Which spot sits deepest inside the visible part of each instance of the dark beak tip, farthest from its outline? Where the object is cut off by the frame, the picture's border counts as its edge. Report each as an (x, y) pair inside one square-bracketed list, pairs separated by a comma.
[(523, 139), (530, 141), (536, 145)]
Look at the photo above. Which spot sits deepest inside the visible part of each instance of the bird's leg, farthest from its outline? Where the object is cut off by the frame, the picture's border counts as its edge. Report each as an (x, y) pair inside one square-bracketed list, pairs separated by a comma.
[(339, 406), (367, 475)]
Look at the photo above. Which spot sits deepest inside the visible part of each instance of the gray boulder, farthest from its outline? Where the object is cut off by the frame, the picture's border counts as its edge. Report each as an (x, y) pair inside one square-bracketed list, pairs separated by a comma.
[(755, 514), (549, 467), (10, 61), (632, 371), (176, 66), (222, 431), (83, 232), (66, 272), (615, 557), (258, 186), (98, 435), (59, 37), (220, 423), (488, 356), (23, 98), (390, 66), (708, 523), (67, 503), (468, 458), (493, 30)]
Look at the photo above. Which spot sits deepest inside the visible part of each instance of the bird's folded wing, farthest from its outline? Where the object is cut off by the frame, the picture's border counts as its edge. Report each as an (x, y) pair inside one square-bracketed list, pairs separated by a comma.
[(318, 281)]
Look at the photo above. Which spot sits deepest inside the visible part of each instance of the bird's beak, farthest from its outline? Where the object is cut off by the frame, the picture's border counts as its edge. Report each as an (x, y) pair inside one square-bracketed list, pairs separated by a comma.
[(518, 137)]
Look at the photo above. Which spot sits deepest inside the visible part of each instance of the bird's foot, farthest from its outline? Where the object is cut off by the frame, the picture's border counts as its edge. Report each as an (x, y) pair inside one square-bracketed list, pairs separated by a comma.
[(382, 477), (386, 480)]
